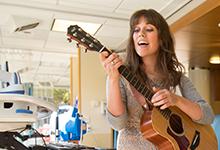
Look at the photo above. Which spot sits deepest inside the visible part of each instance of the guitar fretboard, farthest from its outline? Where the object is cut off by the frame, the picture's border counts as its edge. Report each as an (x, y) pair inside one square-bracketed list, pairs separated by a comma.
[(134, 81), (142, 88)]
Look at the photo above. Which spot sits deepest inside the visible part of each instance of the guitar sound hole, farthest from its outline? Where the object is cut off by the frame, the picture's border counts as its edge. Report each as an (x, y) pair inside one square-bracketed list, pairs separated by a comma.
[(176, 124)]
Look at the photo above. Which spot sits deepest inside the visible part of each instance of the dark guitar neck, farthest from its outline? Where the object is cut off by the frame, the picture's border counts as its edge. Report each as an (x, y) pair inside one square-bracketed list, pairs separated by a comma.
[(135, 82)]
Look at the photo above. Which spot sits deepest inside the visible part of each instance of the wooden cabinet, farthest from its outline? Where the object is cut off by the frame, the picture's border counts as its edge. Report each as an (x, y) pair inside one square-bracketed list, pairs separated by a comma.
[(215, 84)]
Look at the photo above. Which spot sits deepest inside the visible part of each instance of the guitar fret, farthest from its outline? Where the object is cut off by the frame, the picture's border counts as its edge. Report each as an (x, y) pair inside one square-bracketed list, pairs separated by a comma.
[(129, 77), (141, 87), (166, 113), (150, 95), (134, 82), (101, 49), (121, 69), (138, 84), (124, 72), (147, 92), (144, 91)]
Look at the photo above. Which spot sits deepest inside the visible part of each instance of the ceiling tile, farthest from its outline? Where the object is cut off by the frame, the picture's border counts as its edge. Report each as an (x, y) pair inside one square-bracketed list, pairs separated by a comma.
[(44, 2), (113, 31), (129, 6), (22, 43), (183, 11), (172, 6), (110, 42), (58, 41), (117, 23), (96, 5)]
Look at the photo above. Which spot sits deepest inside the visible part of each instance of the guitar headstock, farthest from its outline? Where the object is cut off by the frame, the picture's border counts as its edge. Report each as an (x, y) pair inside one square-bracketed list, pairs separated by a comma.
[(74, 32)]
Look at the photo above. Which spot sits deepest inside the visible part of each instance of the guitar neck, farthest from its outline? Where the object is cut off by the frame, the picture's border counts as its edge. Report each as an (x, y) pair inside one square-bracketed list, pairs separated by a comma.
[(135, 82)]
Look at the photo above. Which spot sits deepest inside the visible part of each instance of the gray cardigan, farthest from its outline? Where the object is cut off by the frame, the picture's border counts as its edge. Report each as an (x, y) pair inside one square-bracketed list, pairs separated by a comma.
[(131, 116)]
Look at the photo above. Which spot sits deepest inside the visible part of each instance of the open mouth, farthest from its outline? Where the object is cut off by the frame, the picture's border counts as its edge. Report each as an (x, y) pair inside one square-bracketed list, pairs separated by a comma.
[(142, 43)]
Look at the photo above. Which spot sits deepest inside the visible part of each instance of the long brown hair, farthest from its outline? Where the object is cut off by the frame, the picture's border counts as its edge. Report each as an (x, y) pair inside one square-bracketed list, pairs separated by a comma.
[(167, 62)]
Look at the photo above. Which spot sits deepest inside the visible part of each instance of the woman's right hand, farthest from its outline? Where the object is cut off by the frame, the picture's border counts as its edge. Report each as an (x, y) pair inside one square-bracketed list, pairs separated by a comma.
[(111, 63)]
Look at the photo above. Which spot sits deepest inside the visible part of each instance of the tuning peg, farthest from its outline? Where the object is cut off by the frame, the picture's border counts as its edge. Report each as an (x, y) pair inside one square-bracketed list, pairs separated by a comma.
[(91, 45), (73, 29), (86, 49), (77, 45), (69, 40), (75, 34), (87, 35), (83, 40)]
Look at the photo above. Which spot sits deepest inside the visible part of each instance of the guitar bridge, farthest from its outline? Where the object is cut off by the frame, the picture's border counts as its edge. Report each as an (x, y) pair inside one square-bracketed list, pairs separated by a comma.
[(195, 141)]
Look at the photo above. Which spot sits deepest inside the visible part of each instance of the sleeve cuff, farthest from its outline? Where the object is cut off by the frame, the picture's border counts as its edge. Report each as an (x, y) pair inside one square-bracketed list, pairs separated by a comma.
[(207, 114), (117, 122)]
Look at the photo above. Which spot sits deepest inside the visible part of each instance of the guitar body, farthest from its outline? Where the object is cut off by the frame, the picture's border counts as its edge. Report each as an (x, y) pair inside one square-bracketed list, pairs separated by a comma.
[(177, 132)]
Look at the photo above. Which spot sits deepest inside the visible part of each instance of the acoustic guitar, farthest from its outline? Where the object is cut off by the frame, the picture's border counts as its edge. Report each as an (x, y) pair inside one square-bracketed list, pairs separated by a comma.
[(168, 129)]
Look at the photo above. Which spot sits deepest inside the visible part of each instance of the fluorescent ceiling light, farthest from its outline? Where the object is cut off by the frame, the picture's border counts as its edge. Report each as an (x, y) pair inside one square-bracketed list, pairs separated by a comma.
[(62, 25), (215, 59)]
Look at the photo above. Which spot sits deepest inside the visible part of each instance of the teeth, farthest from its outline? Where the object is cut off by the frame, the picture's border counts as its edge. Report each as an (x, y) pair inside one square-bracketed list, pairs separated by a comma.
[(143, 43)]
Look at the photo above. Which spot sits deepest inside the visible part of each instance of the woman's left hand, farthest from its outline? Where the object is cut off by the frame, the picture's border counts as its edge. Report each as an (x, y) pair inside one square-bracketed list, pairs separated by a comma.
[(163, 98)]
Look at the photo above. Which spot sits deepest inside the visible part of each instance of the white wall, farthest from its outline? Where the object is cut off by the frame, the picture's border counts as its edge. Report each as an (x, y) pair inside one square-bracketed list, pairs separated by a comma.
[(201, 80), (93, 93)]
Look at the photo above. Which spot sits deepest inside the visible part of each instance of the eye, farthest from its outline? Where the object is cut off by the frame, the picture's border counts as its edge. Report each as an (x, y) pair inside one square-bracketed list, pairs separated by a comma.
[(149, 29), (136, 29)]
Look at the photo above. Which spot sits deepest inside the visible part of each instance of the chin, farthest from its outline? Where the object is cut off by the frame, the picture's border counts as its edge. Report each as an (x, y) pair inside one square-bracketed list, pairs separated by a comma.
[(141, 52)]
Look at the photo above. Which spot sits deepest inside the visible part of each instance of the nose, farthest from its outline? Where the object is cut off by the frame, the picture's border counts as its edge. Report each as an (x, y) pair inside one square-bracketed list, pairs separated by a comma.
[(141, 33)]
